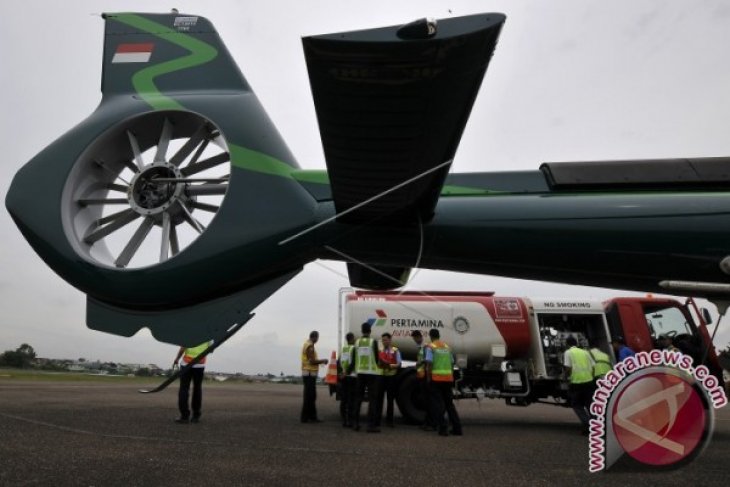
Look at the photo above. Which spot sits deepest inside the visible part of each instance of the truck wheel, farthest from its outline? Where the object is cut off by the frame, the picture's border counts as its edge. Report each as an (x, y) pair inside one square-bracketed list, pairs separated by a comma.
[(411, 403)]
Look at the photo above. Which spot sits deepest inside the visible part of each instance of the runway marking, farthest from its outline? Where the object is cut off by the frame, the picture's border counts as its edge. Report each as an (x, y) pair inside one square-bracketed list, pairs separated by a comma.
[(104, 435), (157, 438), (316, 451), (169, 440)]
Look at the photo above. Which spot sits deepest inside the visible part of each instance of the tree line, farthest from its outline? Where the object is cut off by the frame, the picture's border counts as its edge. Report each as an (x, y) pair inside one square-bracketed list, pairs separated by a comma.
[(25, 357), (21, 358)]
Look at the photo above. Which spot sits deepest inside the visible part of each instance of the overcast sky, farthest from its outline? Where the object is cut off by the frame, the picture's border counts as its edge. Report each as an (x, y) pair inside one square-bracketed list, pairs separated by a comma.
[(570, 80)]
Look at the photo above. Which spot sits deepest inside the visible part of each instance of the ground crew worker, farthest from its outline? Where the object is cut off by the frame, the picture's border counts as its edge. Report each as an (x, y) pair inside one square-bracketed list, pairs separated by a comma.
[(347, 380), (579, 368), (390, 361), (601, 360), (423, 385), (440, 372), (310, 370), (665, 343), (194, 373), (621, 349), (365, 365)]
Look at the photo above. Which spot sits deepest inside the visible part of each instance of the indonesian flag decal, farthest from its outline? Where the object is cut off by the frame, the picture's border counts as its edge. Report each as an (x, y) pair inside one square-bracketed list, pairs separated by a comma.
[(133, 53)]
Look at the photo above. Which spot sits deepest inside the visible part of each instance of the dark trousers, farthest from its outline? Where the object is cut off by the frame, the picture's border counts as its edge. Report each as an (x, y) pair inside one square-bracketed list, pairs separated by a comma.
[(309, 407), (428, 402), (196, 376), (443, 398), (387, 392), (580, 396), (347, 398), (371, 383)]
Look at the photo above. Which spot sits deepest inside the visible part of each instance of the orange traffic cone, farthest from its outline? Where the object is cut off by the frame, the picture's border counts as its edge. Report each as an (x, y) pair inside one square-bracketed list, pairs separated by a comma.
[(331, 377)]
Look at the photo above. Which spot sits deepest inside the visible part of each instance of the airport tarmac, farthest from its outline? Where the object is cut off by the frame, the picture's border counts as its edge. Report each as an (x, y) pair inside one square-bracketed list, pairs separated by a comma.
[(102, 434)]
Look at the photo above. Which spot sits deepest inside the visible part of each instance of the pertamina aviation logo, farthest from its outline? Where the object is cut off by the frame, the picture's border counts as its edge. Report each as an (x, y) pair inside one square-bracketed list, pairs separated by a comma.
[(380, 320), (654, 408)]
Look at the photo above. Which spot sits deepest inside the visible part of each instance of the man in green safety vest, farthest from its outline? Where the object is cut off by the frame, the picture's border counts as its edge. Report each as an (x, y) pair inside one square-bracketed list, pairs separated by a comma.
[(365, 365), (602, 362), (579, 369), (347, 380), (440, 374), (195, 374)]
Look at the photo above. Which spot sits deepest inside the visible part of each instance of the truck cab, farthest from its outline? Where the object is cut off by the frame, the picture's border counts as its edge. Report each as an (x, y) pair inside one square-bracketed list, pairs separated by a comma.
[(641, 321)]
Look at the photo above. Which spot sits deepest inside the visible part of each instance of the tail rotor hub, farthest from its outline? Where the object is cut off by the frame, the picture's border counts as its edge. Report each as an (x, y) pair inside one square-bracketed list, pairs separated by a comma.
[(153, 192)]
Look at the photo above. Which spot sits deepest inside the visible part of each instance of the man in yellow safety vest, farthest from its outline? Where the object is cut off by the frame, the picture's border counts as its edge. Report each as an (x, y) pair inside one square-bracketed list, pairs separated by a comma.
[(440, 373), (195, 374), (602, 362), (365, 365), (310, 370), (579, 369)]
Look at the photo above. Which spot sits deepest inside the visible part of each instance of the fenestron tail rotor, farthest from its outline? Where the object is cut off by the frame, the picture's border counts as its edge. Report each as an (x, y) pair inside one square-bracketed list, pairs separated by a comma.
[(132, 206), (168, 169)]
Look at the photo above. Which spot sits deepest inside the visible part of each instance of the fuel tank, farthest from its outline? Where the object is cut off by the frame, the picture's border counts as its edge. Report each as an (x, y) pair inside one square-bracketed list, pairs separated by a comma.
[(479, 327)]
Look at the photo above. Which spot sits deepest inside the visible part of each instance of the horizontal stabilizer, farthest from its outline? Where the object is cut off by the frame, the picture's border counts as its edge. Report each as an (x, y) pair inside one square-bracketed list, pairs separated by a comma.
[(187, 326), (392, 104)]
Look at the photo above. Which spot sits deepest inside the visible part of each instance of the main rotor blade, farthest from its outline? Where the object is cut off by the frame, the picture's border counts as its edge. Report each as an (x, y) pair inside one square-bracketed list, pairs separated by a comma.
[(204, 206), (184, 151), (135, 150), (206, 164), (165, 243), (164, 141), (133, 245), (206, 189), (102, 201), (116, 221)]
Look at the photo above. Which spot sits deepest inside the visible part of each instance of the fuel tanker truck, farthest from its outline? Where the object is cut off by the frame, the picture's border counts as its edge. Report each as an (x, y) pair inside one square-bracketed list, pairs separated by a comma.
[(512, 348)]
